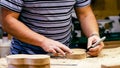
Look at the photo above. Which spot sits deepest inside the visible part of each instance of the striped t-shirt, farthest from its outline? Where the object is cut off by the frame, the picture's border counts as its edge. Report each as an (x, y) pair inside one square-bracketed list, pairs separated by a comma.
[(51, 18)]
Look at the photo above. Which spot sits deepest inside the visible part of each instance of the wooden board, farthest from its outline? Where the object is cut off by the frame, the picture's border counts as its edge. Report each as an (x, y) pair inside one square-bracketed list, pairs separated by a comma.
[(16, 59), (114, 64), (107, 55), (28, 66), (112, 44), (17, 66), (37, 60), (77, 54), (22, 59), (105, 8), (28, 61), (39, 66)]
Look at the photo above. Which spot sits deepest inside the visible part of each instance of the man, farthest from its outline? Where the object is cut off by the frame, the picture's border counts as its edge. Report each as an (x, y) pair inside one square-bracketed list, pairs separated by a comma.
[(41, 26)]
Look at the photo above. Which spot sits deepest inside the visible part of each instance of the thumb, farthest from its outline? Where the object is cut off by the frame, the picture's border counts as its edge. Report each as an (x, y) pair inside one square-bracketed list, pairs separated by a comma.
[(89, 43)]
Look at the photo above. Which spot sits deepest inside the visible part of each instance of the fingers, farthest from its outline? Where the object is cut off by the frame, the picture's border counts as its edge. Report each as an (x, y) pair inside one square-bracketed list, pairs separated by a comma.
[(91, 41), (66, 49), (53, 46), (93, 53), (60, 51), (96, 50), (51, 51), (63, 49), (56, 50)]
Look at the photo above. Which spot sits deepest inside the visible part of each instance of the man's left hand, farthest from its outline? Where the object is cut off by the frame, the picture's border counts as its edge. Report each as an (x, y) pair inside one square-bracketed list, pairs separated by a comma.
[(96, 50)]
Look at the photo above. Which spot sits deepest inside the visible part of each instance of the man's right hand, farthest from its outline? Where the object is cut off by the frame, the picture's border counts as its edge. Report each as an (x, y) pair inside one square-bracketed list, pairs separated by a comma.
[(53, 46)]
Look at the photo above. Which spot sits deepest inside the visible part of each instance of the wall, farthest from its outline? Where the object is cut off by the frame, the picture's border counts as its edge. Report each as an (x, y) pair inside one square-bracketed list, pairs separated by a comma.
[(104, 8)]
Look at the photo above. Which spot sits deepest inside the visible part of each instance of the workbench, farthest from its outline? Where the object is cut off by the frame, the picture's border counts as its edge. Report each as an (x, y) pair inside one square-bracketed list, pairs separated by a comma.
[(108, 55)]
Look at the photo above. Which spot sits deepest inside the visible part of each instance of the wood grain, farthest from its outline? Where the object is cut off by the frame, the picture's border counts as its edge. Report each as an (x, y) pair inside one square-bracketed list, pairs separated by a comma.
[(37, 60), (112, 63), (77, 54), (39, 66), (16, 59), (109, 55), (28, 61), (17, 66)]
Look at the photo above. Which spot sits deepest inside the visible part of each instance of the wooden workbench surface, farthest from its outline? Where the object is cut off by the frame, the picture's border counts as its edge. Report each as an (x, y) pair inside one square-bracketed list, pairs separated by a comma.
[(110, 55)]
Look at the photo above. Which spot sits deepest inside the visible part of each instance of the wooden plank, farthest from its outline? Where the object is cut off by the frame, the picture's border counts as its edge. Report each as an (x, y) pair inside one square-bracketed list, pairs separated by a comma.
[(110, 55), (118, 4), (111, 5), (16, 59), (77, 54), (112, 63), (28, 61), (105, 13), (96, 5), (37, 60), (105, 8), (112, 44), (110, 66), (17, 66), (39, 66)]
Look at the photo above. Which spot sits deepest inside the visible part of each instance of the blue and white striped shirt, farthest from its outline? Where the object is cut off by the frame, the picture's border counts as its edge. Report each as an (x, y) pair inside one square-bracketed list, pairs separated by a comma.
[(51, 18)]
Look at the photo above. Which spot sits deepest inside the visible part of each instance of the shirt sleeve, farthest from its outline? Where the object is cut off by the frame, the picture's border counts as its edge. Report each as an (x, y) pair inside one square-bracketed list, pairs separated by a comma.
[(14, 5), (82, 3)]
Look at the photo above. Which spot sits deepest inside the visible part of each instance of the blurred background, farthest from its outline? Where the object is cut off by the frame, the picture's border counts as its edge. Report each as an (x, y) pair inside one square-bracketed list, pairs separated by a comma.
[(107, 13)]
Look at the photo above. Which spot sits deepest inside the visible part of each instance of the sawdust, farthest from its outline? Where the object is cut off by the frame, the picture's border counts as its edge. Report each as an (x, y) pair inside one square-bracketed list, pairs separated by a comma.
[(111, 55), (107, 55)]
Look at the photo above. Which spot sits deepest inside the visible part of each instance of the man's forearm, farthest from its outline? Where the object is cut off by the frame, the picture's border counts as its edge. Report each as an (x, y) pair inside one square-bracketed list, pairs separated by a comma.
[(16, 28), (88, 22), (90, 27)]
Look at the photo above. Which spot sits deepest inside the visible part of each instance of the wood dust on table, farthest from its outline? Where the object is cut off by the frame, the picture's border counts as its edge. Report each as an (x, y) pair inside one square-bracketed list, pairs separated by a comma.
[(107, 55)]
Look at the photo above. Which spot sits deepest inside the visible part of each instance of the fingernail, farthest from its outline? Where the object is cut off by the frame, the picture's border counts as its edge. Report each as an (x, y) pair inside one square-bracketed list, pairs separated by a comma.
[(64, 54), (71, 52)]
